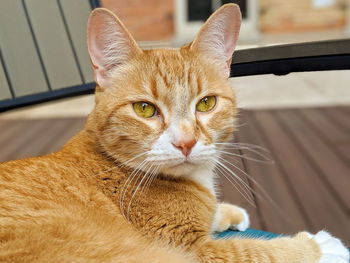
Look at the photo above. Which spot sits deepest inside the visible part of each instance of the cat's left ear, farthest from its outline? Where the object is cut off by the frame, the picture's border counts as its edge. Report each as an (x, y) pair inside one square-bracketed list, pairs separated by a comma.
[(218, 36), (110, 44)]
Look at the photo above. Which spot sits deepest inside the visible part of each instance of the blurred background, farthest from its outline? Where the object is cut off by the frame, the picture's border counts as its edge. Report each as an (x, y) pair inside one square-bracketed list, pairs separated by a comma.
[(264, 21), (302, 119), (43, 46)]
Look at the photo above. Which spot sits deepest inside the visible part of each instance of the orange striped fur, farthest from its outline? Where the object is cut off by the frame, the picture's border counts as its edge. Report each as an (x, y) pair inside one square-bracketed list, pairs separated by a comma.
[(122, 190)]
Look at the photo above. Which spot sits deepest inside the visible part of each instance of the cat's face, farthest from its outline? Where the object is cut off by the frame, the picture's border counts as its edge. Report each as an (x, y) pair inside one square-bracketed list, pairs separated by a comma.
[(176, 128), (162, 111)]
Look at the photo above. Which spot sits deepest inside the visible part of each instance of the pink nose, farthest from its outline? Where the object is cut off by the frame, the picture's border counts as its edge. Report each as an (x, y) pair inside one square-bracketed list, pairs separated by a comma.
[(185, 145)]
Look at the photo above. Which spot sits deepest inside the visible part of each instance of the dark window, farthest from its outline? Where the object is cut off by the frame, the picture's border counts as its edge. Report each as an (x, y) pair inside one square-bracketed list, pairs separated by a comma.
[(242, 4), (200, 10)]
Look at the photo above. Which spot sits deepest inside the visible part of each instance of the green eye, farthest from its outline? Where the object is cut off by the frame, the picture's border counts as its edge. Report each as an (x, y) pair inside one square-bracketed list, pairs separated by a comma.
[(144, 109), (206, 104)]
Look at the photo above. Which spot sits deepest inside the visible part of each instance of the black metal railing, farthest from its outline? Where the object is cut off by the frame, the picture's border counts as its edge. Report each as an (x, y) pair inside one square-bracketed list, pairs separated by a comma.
[(50, 94)]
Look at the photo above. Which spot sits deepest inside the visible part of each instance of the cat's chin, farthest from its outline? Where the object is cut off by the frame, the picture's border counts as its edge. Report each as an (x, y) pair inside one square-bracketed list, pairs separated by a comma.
[(184, 169), (180, 170)]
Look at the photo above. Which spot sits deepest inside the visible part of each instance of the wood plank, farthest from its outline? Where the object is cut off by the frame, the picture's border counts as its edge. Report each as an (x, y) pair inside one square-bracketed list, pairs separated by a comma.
[(19, 51), (301, 175), (344, 149), (345, 109), (232, 190), (337, 138), (54, 44), (3, 126), (4, 87), (30, 130), (283, 214), (9, 128), (340, 116), (331, 169), (76, 14), (40, 140), (67, 129), (37, 145), (324, 124)]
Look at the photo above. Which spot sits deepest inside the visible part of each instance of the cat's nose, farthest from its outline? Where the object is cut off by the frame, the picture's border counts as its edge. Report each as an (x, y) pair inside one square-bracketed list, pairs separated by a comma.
[(185, 145)]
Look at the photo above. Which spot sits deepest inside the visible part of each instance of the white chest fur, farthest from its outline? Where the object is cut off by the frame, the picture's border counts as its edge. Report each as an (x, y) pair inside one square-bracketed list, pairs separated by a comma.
[(204, 177)]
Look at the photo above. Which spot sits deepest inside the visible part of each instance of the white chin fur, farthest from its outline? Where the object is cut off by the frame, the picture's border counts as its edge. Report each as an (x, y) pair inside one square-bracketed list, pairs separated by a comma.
[(179, 170)]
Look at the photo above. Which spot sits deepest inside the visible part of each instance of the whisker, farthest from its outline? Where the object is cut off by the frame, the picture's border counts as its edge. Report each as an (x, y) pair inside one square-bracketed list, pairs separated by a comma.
[(119, 165), (267, 161), (250, 148), (128, 181), (245, 193), (245, 187), (152, 176), (265, 194), (132, 159), (246, 196), (244, 173), (138, 186), (147, 184), (125, 190), (243, 144)]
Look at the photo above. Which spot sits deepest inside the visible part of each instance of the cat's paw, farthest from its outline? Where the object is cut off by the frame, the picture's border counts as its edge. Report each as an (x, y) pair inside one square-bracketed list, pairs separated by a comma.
[(332, 249), (230, 217), (244, 224)]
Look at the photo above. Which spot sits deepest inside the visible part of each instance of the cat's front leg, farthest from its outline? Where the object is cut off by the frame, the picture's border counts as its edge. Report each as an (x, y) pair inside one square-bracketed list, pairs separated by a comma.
[(229, 216)]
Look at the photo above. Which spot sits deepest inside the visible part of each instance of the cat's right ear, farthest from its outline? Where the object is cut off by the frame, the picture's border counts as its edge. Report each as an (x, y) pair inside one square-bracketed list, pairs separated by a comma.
[(109, 43)]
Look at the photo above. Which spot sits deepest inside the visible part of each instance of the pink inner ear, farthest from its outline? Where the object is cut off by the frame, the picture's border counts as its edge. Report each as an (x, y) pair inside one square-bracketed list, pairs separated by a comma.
[(109, 43), (95, 37), (232, 25), (218, 36), (95, 49)]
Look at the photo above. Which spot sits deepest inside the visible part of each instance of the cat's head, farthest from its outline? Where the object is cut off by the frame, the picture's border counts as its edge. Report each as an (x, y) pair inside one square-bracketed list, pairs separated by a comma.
[(163, 110)]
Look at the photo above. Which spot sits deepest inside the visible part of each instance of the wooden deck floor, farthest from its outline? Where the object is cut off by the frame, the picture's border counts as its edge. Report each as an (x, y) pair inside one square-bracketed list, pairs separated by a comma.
[(306, 188)]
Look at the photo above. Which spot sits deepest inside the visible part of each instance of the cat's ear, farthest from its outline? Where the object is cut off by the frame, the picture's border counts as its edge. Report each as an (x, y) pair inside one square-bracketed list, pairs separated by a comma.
[(109, 43), (218, 36)]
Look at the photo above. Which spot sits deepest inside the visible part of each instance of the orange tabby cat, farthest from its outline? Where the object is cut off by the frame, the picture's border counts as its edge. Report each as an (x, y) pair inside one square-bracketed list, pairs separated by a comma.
[(136, 184)]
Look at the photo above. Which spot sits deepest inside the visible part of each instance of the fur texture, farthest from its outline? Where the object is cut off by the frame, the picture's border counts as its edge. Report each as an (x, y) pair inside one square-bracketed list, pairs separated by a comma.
[(125, 189)]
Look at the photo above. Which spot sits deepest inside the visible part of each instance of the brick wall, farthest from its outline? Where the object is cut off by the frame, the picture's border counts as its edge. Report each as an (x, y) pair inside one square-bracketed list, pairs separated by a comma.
[(300, 15), (154, 19), (145, 19)]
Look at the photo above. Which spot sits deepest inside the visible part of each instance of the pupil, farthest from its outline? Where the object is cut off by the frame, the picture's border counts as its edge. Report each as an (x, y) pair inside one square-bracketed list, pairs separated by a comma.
[(144, 106), (206, 101)]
